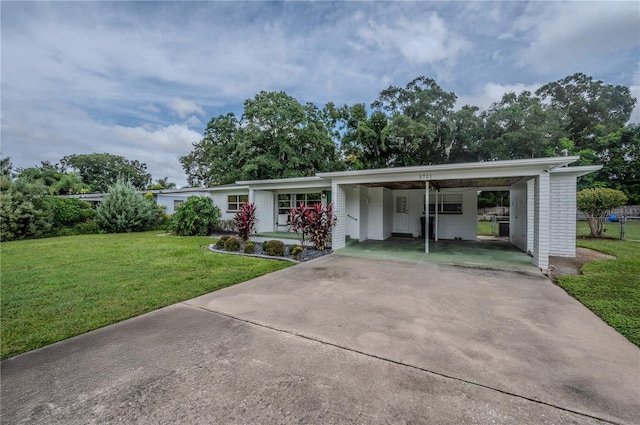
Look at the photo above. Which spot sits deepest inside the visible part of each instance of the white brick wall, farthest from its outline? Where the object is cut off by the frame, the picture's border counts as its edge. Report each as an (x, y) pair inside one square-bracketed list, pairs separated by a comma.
[(541, 223), (339, 209), (265, 210), (531, 192), (562, 224)]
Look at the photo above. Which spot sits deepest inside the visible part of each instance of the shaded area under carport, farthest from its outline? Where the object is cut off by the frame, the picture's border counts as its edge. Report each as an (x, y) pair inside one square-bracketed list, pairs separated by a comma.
[(489, 253)]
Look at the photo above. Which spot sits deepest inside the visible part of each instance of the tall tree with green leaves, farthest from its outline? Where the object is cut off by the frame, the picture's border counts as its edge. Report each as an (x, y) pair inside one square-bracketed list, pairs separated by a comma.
[(214, 159), (362, 142), (101, 170), (584, 104), (420, 125), (519, 126), (277, 137)]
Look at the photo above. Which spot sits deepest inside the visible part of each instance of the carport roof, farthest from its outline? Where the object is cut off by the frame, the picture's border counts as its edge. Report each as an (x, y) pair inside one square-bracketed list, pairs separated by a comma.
[(494, 174)]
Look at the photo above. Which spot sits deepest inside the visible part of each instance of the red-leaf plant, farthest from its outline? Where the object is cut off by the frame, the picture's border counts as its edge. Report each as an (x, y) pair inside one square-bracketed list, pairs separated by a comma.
[(313, 223), (245, 220)]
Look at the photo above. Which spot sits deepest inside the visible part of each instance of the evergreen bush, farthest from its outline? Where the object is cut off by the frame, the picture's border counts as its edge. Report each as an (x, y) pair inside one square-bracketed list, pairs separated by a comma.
[(124, 209), (232, 244), (249, 247), (220, 242), (275, 248)]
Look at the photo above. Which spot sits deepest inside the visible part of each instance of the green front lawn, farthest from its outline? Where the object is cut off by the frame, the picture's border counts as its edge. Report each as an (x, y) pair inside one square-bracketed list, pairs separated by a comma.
[(53, 289), (610, 288)]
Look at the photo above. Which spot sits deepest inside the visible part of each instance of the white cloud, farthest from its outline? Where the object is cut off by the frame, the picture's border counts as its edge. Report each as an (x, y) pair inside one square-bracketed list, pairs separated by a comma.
[(493, 92), (421, 42), (567, 34), (184, 107)]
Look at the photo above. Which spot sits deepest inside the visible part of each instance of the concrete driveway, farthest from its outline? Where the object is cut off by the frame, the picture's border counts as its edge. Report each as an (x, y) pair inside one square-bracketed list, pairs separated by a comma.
[(342, 340)]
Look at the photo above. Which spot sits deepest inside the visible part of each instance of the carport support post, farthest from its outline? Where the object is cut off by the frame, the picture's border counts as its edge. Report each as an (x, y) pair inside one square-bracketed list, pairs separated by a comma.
[(426, 219)]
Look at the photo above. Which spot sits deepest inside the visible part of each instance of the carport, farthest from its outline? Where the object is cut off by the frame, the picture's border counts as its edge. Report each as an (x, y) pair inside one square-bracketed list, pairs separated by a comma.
[(376, 204), (489, 253)]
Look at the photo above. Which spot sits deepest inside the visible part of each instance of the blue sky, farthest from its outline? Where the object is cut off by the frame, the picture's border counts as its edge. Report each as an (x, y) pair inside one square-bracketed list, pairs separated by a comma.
[(142, 79)]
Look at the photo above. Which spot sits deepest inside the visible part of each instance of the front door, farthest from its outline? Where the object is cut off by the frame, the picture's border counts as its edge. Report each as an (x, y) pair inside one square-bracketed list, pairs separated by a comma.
[(401, 215)]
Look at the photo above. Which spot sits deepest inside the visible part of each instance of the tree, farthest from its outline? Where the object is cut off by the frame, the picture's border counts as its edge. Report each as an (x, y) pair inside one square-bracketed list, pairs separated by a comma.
[(214, 160), (277, 137), (52, 177), (597, 203), (162, 183), (468, 130), (420, 129), (281, 138), (101, 170), (519, 126), (362, 142), (583, 104), (124, 209), (619, 153), (197, 216)]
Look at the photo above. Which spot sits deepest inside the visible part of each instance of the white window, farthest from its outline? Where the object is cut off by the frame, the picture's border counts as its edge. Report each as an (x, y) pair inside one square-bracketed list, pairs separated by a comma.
[(176, 204), (235, 202), (449, 203)]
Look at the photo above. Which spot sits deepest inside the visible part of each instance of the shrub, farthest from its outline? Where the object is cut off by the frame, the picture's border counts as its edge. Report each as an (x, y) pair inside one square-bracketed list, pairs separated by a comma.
[(220, 242), (197, 216), (245, 220), (292, 247), (296, 251), (313, 223), (249, 247), (264, 246), (124, 209), (26, 212), (274, 248), (68, 212), (597, 203), (232, 244)]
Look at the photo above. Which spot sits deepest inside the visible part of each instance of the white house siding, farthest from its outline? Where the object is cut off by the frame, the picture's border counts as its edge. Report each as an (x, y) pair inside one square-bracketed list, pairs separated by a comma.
[(387, 208), (541, 224), (265, 210), (167, 199), (352, 225), (376, 214), (531, 188), (339, 204), (465, 225), (562, 216), (518, 215), (363, 219)]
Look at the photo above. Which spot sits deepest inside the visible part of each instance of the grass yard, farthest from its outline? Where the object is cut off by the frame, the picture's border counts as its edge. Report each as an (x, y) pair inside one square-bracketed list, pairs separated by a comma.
[(485, 228), (53, 289), (610, 288)]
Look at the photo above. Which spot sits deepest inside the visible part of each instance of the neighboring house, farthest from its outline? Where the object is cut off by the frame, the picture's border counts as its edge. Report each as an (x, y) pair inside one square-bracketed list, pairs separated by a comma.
[(373, 204)]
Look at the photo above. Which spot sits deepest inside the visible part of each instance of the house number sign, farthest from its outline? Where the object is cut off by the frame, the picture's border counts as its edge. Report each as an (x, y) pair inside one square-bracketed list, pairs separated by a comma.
[(425, 176)]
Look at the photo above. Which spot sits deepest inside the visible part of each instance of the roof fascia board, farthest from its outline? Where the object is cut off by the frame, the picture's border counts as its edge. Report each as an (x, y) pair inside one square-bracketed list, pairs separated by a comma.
[(577, 171), (269, 185), (539, 163), (419, 175), (278, 181)]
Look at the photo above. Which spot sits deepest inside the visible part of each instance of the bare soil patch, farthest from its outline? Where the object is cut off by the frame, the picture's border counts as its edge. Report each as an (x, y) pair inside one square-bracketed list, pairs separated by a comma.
[(561, 266)]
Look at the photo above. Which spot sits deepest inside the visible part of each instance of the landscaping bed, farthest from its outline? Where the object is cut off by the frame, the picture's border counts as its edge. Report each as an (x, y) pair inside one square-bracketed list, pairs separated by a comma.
[(308, 253)]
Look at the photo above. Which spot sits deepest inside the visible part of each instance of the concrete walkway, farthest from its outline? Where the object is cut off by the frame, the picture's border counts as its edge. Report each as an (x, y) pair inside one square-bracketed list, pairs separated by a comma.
[(342, 340)]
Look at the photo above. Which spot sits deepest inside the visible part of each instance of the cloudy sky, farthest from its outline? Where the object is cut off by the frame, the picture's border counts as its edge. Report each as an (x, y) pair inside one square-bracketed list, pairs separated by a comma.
[(142, 79)]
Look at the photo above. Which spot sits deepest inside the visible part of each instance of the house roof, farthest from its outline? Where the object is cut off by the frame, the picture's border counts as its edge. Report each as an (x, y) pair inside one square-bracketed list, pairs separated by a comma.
[(488, 174)]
